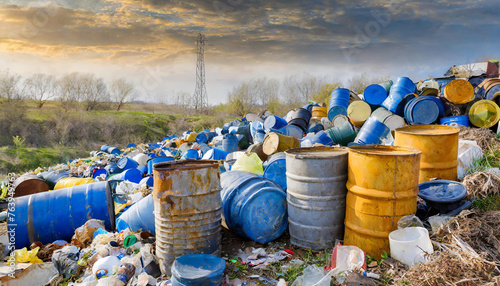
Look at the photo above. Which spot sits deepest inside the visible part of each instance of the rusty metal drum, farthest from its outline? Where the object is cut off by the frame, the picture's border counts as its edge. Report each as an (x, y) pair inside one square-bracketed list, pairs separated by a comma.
[(187, 208)]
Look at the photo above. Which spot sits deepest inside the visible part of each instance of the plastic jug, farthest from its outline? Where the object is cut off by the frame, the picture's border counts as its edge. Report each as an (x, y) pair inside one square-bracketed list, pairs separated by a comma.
[(105, 266), (410, 245)]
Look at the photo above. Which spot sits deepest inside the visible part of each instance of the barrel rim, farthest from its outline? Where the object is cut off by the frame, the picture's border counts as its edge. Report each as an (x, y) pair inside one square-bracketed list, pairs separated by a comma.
[(298, 153), (185, 165), (365, 149), (408, 129)]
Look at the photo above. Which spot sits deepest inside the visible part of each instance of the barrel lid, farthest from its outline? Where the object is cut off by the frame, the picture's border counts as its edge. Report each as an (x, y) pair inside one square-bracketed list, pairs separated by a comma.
[(359, 111), (261, 209), (442, 191), (316, 152), (484, 113), (187, 164), (375, 94), (198, 267), (340, 120), (424, 111), (428, 130), (383, 150), (459, 91)]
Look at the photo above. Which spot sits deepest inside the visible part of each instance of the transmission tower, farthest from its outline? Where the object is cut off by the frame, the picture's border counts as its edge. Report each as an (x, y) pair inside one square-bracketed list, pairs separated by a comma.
[(200, 92)]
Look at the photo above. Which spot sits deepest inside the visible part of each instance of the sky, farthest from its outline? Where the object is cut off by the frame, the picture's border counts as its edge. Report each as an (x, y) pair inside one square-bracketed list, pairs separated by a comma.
[(153, 42)]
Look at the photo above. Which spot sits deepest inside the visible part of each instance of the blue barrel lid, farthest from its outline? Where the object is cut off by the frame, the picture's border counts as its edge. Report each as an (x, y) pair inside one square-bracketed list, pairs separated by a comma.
[(442, 191), (198, 267), (424, 111), (131, 145), (374, 94)]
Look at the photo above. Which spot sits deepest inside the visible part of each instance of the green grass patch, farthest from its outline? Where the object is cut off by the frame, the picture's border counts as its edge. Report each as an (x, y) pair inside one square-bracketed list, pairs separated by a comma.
[(20, 160), (491, 203)]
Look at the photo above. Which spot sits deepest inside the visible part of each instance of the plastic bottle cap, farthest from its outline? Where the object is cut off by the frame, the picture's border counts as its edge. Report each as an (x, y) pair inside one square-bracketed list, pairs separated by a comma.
[(129, 240)]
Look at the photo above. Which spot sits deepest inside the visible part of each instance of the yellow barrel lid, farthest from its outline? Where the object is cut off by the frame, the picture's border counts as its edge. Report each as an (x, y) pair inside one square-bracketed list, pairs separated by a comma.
[(358, 111), (484, 113), (459, 91)]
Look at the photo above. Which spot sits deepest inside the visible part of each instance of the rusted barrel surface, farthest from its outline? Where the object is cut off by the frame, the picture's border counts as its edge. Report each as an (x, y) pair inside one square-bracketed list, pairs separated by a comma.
[(29, 184), (316, 180), (187, 207), (439, 147), (383, 187)]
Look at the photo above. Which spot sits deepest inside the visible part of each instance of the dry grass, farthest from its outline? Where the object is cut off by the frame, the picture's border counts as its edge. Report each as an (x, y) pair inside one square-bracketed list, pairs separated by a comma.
[(484, 137), (481, 185), (467, 253)]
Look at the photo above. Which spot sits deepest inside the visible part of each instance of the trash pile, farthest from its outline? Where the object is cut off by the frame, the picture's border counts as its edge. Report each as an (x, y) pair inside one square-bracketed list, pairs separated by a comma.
[(153, 214)]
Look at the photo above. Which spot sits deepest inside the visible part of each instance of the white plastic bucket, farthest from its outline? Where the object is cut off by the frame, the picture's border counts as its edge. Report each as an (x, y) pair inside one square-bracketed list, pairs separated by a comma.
[(410, 245)]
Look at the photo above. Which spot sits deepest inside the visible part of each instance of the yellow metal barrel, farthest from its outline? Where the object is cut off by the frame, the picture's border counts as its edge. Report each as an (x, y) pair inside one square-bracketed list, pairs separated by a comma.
[(382, 188), (319, 112), (71, 182), (439, 146)]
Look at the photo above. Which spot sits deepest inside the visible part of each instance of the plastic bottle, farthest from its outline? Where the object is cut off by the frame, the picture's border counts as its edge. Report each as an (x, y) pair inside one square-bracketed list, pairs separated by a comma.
[(125, 272)]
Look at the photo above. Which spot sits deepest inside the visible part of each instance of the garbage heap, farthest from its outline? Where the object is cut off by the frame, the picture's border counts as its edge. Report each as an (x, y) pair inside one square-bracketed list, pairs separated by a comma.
[(154, 211)]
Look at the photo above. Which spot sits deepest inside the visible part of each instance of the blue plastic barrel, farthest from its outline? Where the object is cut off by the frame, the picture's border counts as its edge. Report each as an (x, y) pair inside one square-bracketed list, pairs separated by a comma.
[(374, 94), (205, 137), (339, 101), (320, 137), (126, 163), (275, 169), (215, 154), (52, 177), (142, 169), (149, 181), (98, 172), (490, 95), (274, 122), (399, 89), (293, 131), (253, 207), (459, 120), (139, 216), (230, 143), (114, 151), (54, 215), (155, 160), (131, 145), (198, 270), (315, 127), (422, 110), (104, 148), (191, 154), (400, 108), (372, 132), (112, 168), (131, 175)]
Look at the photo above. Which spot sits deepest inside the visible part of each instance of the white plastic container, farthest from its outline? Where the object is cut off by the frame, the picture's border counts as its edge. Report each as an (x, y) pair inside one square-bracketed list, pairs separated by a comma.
[(410, 245), (106, 266), (142, 159)]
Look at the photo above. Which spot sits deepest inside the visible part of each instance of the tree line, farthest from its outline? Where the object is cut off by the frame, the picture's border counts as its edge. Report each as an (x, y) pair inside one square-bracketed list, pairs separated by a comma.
[(279, 96), (68, 89)]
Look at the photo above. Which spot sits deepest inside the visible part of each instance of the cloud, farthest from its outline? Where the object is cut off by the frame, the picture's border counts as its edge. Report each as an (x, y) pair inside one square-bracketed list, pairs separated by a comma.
[(397, 36)]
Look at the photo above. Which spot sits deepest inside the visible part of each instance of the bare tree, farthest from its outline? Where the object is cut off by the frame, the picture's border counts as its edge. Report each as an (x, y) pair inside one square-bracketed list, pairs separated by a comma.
[(241, 100), (69, 88), (40, 87), (120, 91), (9, 85), (324, 94), (93, 90), (299, 89), (358, 83)]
